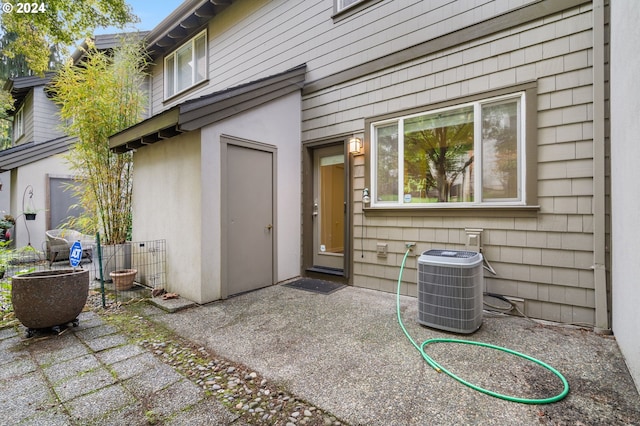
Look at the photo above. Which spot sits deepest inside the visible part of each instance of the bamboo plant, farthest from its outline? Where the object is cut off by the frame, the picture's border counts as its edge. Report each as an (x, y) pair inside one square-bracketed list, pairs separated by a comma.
[(98, 98)]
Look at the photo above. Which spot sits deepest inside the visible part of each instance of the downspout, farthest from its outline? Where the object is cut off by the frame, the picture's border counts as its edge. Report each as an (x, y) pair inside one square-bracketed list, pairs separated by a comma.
[(602, 324)]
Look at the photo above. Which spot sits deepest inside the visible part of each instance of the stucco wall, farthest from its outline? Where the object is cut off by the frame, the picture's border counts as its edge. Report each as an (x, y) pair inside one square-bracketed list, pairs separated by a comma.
[(275, 124), (625, 151), (177, 196), (167, 205), (5, 202), (34, 174)]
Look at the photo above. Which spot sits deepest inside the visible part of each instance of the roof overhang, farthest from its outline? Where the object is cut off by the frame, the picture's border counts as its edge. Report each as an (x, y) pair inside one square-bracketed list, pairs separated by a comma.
[(31, 152), (149, 131), (182, 23), (106, 42), (196, 113), (19, 87)]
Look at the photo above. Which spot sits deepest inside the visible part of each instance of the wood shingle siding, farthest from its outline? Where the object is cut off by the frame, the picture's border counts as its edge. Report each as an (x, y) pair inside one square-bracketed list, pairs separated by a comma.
[(302, 31), (545, 259)]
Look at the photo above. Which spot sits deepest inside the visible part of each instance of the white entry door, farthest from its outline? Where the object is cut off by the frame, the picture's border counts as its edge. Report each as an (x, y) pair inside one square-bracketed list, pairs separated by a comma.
[(249, 219)]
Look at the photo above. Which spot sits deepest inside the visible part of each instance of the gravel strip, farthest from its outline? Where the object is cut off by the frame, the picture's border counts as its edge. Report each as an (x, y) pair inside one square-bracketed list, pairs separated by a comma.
[(243, 391)]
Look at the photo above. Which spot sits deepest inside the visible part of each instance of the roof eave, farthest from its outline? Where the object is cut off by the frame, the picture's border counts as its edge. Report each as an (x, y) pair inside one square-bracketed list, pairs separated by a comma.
[(196, 113), (149, 131), (31, 152), (105, 42), (182, 23)]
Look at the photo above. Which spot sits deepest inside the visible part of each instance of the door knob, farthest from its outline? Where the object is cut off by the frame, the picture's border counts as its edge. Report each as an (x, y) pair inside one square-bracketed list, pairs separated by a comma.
[(268, 227)]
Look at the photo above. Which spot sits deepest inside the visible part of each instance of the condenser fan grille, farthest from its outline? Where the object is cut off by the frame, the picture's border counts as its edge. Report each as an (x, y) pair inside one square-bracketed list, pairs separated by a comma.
[(450, 285)]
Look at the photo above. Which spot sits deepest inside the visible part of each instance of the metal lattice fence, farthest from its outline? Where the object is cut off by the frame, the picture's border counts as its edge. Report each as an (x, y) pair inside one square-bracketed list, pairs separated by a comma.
[(146, 258)]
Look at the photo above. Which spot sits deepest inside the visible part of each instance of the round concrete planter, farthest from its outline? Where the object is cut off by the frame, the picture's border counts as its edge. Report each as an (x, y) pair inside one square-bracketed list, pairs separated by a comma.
[(123, 278), (48, 299)]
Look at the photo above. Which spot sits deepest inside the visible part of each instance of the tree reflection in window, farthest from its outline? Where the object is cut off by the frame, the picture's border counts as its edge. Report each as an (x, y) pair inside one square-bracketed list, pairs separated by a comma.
[(467, 154), (438, 157), (500, 151), (387, 167)]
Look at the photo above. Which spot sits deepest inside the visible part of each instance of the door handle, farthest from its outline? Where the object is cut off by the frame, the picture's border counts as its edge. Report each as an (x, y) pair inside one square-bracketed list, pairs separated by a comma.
[(269, 227), (315, 209)]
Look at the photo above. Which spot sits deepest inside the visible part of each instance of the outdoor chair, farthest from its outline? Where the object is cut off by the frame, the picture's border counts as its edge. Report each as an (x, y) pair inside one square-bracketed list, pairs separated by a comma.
[(59, 242)]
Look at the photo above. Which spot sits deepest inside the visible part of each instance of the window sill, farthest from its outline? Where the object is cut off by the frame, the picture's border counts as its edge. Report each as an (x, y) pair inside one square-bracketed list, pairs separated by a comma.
[(186, 91), (462, 211)]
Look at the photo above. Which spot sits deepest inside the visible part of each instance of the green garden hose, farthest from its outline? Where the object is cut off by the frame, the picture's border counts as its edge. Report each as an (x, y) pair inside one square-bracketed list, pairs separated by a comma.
[(439, 368)]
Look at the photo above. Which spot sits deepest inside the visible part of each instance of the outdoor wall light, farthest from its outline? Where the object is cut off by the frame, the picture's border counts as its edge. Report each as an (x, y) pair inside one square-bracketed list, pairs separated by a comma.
[(355, 145), (365, 196)]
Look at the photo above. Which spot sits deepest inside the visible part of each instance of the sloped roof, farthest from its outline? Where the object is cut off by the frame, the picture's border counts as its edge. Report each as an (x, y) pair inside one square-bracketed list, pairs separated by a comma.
[(182, 23), (106, 42), (196, 113), (30, 152), (19, 87)]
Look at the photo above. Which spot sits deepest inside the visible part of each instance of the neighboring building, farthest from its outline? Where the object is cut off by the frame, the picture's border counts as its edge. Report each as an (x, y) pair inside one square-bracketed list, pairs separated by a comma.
[(478, 118), (625, 151), (35, 162)]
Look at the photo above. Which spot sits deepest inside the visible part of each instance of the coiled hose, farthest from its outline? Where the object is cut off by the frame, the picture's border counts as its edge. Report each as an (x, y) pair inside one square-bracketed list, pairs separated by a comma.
[(439, 368)]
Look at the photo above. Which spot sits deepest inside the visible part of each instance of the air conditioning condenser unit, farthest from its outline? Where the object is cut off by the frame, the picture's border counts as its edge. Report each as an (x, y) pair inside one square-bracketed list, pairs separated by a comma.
[(450, 287)]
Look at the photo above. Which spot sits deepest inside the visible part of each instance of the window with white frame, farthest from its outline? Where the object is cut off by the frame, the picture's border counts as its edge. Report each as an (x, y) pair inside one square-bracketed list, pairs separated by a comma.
[(344, 4), (467, 154), (186, 66), (18, 124)]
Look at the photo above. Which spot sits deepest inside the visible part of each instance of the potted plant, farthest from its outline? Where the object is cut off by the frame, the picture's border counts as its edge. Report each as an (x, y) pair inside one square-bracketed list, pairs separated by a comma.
[(6, 223), (30, 215), (123, 278), (6, 256), (28, 209)]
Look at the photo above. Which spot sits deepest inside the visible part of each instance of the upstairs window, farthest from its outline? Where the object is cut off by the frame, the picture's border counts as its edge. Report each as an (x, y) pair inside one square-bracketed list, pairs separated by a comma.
[(466, 154), (18, 124), (343, 4), (186, 66)]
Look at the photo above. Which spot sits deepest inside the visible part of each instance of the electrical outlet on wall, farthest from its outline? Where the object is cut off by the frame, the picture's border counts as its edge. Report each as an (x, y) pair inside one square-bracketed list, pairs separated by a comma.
[(473, 239)]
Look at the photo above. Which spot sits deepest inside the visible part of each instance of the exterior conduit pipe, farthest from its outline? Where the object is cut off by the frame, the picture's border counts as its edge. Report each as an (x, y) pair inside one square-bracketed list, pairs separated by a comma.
[(602, 322)]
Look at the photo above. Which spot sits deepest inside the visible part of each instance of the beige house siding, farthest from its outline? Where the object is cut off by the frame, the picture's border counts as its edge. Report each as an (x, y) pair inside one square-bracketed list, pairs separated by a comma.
[(289, 33), (544, 257), (40, 115), (46, 120)]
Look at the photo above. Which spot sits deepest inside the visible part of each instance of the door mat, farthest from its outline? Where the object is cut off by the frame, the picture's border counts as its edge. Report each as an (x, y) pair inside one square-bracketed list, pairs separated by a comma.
[(314, 285)]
